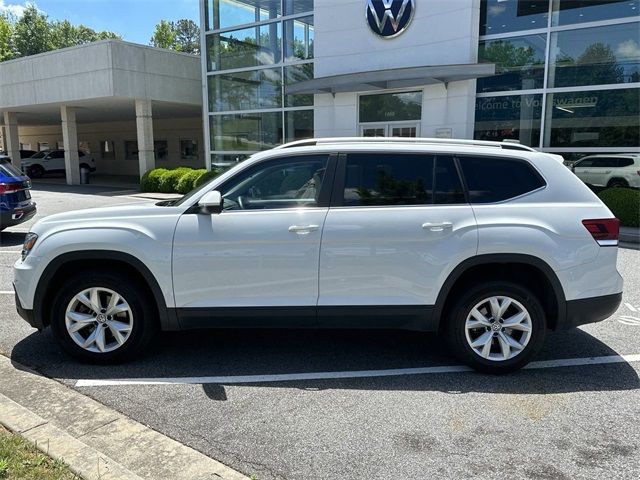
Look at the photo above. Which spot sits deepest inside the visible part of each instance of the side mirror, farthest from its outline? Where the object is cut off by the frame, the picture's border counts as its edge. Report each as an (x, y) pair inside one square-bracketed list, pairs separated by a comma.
[(211, 202)]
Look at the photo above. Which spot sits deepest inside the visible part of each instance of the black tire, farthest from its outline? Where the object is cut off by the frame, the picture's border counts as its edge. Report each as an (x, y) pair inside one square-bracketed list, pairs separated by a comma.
[(144, 324), (36, 171), (617, 183), (461, 309)]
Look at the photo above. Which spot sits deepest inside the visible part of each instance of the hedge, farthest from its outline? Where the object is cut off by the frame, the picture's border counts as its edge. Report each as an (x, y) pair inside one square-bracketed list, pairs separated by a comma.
[(175, 180), (624, 203)]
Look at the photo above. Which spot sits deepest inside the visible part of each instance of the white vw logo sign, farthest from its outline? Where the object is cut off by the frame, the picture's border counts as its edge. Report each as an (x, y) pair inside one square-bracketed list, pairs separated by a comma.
[(389, 18)]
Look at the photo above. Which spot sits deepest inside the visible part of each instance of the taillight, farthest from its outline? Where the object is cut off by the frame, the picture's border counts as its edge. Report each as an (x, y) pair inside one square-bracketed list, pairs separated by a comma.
[(10, 187), (605, 231)]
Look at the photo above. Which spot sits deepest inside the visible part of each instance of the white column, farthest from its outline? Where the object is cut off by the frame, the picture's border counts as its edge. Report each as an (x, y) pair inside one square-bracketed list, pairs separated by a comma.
[(70, 141), (11, 139), (144, 124)]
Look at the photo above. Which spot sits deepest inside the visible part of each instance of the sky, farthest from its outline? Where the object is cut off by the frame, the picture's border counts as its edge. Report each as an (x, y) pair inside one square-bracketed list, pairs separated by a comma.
[(134, 20)]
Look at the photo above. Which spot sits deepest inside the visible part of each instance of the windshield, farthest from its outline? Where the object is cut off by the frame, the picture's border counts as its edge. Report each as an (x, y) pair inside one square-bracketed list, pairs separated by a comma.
[(7, 168)]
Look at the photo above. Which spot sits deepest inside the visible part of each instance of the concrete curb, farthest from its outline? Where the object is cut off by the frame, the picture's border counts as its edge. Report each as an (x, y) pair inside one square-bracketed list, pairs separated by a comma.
[(89, 436)]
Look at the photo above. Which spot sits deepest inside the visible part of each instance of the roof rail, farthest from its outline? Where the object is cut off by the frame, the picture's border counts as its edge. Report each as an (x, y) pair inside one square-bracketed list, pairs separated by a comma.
[(417, 140)]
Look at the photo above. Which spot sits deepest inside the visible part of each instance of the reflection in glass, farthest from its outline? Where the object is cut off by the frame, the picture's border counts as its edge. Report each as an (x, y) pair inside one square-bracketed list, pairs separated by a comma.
[(228, 13), (500, 16), (511, 117), (579, 11), (595, 56), (245, 90), (295, 74), (246, 131), (593, 119), (391, 107), (189, 149), (297, 6), (298, 124), (250, 47), (229, 158), (298, 36), (519, 63)]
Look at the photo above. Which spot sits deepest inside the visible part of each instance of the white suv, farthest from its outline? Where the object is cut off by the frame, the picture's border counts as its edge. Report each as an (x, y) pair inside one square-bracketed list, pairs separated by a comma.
[(490, 247), (611, 170), (52, 161)]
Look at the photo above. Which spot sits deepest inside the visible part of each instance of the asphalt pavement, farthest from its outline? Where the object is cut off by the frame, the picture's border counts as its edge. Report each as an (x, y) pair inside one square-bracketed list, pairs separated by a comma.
[(545, 423)]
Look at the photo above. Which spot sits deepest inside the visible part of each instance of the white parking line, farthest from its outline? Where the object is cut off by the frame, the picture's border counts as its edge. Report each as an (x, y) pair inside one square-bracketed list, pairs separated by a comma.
[(6, 292), (11, 251), (288, 377)]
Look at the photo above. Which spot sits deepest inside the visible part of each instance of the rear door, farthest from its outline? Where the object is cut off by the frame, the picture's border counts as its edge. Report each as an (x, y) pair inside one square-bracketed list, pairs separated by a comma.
[(602, 170), (397, 226), (55, 161)]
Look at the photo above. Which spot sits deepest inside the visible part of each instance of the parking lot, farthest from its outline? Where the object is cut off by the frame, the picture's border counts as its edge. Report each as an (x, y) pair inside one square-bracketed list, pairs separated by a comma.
[(354, 405)]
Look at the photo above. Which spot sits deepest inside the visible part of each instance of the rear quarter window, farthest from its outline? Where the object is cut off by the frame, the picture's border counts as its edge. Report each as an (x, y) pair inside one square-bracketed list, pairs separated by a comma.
[(491, 179)]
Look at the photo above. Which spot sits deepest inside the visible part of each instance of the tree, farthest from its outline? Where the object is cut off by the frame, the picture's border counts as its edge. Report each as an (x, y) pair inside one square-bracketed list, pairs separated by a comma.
[(32, 33), (182, 36), (6, 32), (164, 36)]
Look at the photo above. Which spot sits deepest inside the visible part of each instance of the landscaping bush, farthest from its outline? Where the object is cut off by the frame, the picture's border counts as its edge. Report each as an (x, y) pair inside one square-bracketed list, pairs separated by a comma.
[(206, 177), (150, 181), (169, 179), (624, 203), (187, 182)]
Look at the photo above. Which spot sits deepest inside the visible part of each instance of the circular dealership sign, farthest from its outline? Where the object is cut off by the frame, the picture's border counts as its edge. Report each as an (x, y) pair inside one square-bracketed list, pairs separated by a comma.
[(389, 18)]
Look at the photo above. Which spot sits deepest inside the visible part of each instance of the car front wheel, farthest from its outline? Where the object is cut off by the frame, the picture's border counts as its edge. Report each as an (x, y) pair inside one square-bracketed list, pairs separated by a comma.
[(496, 327), (100, 318)]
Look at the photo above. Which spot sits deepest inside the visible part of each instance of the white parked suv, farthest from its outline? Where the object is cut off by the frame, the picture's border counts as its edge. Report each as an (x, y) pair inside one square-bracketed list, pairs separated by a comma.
[(490, 247), (52, 161), (611, 170)]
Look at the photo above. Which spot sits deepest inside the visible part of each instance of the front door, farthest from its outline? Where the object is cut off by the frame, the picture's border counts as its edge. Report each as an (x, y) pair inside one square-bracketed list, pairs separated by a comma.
[(262, 249), (401, 226)]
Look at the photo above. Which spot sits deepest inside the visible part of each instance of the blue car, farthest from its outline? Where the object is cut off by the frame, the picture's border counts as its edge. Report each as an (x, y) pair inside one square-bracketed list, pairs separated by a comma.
[(16, 205)]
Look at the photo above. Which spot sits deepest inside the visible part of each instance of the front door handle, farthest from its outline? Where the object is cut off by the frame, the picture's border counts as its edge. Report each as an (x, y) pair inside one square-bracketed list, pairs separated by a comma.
[(437, 227), (303, 229)]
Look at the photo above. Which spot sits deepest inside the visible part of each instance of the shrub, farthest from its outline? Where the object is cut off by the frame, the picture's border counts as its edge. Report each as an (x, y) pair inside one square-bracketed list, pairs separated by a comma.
[(206, 177), (169, 179), (624, 203), (187, 181), (150, 181)]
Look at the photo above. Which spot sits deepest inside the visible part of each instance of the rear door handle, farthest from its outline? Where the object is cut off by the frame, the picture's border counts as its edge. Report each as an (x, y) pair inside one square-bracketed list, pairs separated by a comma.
[(303, 229), (437, 227)]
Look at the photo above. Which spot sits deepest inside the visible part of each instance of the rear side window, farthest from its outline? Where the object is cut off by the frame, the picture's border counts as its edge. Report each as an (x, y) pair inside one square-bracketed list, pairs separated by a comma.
[(378, 179), (605, 162), (7, 169), (491, 179), (625, 162)]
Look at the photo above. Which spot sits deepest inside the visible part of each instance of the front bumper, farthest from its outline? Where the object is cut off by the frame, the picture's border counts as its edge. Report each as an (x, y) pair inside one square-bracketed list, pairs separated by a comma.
[(591, 310), (27, 315)]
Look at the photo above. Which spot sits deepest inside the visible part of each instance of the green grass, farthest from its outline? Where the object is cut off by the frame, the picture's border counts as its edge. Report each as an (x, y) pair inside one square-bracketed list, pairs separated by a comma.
[(20, 459)]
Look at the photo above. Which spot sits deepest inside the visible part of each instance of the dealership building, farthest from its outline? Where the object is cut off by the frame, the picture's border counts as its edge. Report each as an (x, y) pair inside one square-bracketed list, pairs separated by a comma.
[(559, 75)]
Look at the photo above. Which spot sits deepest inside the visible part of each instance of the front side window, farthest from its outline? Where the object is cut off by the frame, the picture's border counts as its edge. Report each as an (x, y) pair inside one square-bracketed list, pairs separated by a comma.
[(293, 182), (492, 179), (378, 179)]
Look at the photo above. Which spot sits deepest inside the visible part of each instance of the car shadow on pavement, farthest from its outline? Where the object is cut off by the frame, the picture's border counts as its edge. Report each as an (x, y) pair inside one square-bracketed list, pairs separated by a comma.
[(11, 239), (268, 352)]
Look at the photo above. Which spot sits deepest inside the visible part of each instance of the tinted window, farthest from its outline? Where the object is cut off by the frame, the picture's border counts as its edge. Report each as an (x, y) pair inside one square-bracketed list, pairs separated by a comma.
[(7, 169), (625, 162), (57, 154), (495, 179), (585, 163), (284, 183), (397, 179), (605, 162)]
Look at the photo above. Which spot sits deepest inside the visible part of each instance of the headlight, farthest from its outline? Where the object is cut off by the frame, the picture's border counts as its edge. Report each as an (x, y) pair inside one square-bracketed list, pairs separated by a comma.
[(29, 242)]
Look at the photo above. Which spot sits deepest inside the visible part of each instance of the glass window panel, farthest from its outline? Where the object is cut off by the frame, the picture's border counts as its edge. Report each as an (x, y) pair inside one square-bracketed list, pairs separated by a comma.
[(107, 149), (228, 13), (295, 74), (161, 150), (189, 149), (298, 36), (519, 63), (511, 117), (500, 16), (595, 56), (604, 118), (577, 11), (299, 124), (245, 90), (246, 131), (130, 150), (297, 6), (250, 47), (447, 187), (391, 107)]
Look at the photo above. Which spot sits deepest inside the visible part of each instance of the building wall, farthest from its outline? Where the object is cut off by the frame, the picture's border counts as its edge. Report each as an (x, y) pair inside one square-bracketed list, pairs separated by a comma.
[(169, 130)]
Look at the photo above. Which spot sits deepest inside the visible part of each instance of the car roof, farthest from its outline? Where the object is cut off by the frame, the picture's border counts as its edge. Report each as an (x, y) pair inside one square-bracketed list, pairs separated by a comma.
[(610, 155)]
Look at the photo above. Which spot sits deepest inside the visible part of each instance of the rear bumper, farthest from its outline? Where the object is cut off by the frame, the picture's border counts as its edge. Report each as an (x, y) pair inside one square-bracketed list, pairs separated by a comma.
[(27, 315), (590, 310), (18, 215)]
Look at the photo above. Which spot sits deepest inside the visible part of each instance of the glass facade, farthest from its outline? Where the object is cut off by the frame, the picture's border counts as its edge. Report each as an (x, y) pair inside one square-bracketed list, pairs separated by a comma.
[(254, 48), (567, 74)]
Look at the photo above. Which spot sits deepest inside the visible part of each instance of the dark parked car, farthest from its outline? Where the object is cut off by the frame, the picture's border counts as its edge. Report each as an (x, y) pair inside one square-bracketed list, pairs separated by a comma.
[(16, 205)]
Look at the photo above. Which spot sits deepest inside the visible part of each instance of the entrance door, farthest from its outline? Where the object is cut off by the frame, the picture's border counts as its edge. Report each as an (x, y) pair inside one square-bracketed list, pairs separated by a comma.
[(391, 130)]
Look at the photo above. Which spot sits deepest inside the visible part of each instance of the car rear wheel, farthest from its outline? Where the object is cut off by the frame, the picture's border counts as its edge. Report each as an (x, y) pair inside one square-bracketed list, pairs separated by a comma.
[(496, 327), (36, 171), (102, 318), (617, 182)]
